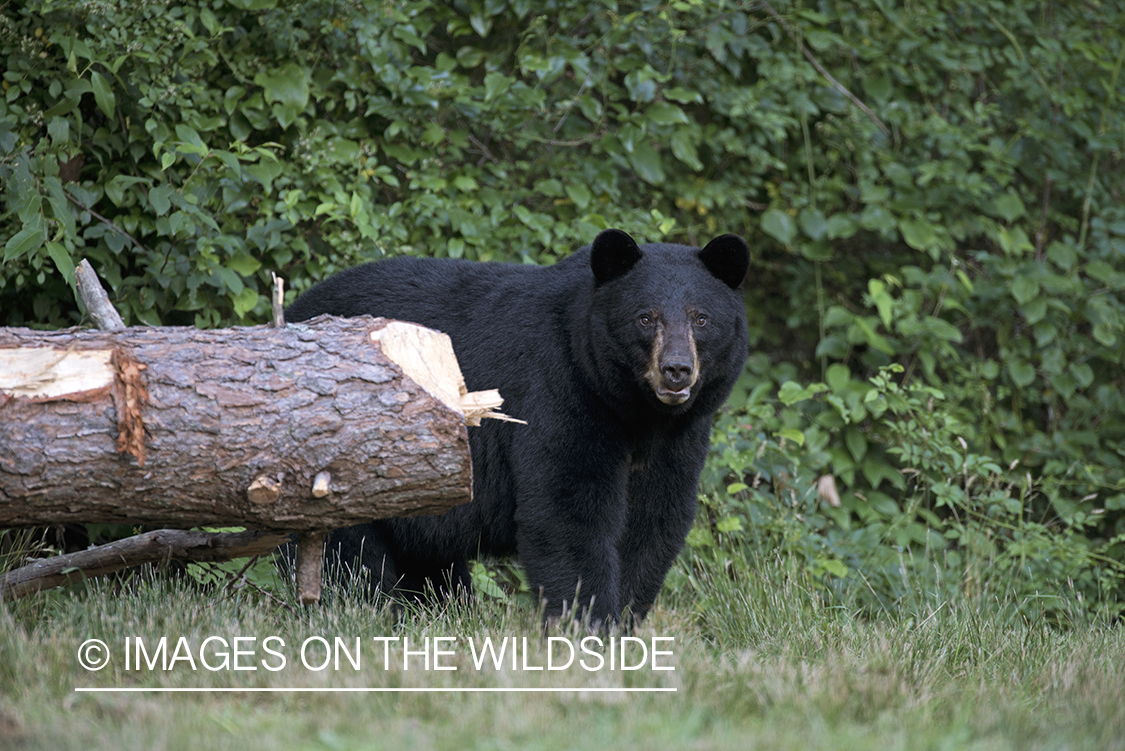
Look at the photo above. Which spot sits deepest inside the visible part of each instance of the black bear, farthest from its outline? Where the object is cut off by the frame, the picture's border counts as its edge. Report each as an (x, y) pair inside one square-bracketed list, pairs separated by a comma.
[(617, 357)]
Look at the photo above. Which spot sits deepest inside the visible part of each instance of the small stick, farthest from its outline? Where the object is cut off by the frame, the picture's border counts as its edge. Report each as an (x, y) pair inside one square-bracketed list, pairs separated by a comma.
[(95, 298), (278, 321), (151, 547)]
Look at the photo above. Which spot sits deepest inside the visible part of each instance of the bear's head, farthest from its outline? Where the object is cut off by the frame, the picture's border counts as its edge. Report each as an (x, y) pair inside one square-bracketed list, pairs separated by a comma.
[(671, 315)]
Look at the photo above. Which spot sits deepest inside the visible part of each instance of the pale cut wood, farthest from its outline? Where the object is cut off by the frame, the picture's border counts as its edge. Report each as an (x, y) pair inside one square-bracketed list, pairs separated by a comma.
[(44, 374), (427, 357)]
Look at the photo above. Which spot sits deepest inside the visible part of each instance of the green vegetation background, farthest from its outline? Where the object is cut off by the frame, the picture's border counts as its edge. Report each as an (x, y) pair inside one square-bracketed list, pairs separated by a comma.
[(934, 407)]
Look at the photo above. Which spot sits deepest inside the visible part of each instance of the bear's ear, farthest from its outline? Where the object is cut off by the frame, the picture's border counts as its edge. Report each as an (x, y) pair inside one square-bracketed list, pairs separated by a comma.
[(612, 255), (728, 258)]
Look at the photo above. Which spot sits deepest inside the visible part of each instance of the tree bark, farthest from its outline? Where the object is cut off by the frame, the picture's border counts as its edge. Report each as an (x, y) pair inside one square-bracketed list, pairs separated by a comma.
[(303, 428)]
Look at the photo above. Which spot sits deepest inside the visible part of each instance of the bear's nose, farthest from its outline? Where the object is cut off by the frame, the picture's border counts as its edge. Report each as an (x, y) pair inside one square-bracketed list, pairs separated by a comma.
[(676, 374)]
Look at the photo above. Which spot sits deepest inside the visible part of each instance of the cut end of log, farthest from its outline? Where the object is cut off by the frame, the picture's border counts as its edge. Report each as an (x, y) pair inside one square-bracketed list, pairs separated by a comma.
[(263, 491), (426, 357)]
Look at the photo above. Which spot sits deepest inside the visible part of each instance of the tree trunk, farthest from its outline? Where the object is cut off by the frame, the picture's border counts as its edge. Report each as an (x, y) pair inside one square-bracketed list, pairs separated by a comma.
[(309, 427)]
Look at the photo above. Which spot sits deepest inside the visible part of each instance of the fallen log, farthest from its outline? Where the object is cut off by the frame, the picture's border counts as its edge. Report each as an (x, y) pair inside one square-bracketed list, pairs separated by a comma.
[(304, 428)]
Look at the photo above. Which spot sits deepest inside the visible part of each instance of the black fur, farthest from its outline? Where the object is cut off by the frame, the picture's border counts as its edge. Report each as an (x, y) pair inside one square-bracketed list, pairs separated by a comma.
[(597, 492)]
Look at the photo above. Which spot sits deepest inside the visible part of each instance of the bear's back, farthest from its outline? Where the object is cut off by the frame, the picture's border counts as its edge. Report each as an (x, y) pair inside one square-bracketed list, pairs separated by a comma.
[(501, 317)]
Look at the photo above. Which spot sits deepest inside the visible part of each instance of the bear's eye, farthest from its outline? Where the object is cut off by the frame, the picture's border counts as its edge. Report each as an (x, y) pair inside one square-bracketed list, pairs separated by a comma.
[(700, 319), (645, 319)]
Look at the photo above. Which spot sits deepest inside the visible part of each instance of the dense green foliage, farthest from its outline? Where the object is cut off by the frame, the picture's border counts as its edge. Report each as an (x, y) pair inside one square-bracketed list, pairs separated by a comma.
[(936, 301)]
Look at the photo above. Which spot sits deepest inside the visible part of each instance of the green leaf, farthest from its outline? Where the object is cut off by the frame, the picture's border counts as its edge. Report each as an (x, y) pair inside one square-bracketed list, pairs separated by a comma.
[(792, 392), (874, 338), (856, 443), (884, 303), (1014, 240), (663, 113), (159, 198), (469, 57), (1025, 289), (244, 264), (838, 376), (813, 223), (210, 22), (1104, 335), (685, 149), (495, 84), (59, 130), (485, 584), (792, 434), (244, 301), (1022, 372), (115, 188), (841, 227), (833, 567), (406, 33), (289, 87), (917, 233), (25, 242), (63, 261), (646, 162), (1062, 254), (265, 172), (943, 329), (465, 183), (778, 225), (578, 193), (60, 205), (729, 524), (1083, 374), (103, 95), (682, 95), (1008, 206), (481, 25)]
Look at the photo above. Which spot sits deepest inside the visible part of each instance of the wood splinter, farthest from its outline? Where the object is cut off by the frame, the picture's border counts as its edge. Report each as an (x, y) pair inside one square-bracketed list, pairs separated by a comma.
[(321, 485), (426, 356), (263, 491)]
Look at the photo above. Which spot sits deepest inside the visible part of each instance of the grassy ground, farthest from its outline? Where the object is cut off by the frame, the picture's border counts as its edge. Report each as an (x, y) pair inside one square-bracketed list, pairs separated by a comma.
[(769, 668)]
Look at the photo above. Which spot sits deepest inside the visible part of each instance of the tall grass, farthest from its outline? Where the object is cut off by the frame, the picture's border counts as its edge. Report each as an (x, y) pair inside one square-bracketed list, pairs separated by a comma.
[(764, 660)]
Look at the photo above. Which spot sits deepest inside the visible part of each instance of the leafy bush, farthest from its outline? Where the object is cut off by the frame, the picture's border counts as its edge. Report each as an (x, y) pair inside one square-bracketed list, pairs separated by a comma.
[(954, 525), (937, 186)]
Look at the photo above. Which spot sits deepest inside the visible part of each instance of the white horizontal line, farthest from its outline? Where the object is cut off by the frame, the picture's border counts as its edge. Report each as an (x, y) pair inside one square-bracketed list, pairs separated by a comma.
[(367, 690)]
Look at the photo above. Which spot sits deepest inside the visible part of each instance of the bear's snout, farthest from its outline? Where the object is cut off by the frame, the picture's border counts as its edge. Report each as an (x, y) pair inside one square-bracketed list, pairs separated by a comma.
[(674, 367), (676, 374)]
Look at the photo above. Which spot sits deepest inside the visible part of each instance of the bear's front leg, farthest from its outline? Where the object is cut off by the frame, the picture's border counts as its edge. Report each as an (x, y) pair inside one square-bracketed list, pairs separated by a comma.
[(569, 518), (662, 489)]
